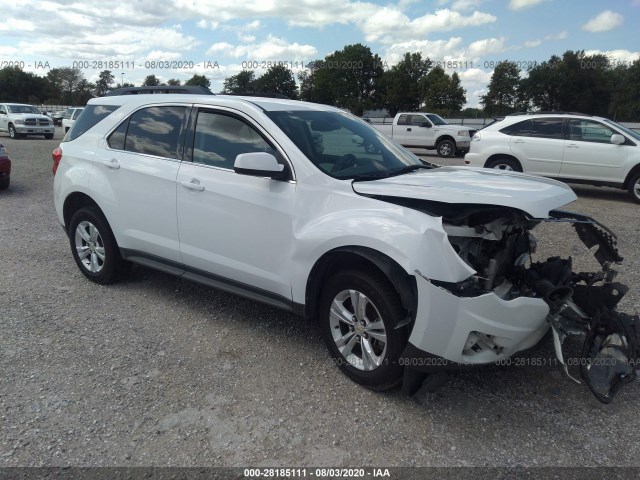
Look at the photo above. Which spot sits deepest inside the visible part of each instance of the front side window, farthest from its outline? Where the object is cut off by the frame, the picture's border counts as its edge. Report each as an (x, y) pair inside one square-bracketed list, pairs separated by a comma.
[(589, 131), (152, 131), (547, 128), (418, 120), (219, 139)]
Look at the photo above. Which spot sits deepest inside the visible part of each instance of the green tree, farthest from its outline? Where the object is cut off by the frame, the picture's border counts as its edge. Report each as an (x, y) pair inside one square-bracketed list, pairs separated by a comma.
[(625, 101), (104, 82), (174, 82), (349, 78), (502, 96), (243, 82), (67, 81), (198, 80), (19, 86), (403, 83), (443, 94), (151, 81), (277, 79)]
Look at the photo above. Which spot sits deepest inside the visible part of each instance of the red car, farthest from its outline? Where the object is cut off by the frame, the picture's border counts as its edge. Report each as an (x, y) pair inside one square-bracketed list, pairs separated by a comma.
[(5, 168)]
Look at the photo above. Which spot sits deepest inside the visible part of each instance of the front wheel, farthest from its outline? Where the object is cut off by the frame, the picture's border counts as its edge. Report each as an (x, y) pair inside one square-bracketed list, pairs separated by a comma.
[(94, 247), (359, 311), (13, 133), (634, 188), (446, 148), (4, 182)]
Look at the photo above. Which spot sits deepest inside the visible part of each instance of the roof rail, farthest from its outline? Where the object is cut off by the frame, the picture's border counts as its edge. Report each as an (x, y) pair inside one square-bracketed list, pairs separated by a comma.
[(258, 94), (190, 89), (550, 112)]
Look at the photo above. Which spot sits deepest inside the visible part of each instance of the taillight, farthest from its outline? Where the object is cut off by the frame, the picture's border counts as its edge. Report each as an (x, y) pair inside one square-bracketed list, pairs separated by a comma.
[(57, 156)]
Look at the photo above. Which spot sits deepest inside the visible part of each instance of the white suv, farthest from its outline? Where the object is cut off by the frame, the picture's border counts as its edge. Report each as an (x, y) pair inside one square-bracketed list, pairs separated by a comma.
[(570, 147), (408, 267), (70, 118)]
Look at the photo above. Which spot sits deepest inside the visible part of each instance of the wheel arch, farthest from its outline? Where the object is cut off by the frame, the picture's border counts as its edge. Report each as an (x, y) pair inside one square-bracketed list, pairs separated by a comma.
[(446, 136), (498, 156), (74, 202), (632, 173), (360, 257)]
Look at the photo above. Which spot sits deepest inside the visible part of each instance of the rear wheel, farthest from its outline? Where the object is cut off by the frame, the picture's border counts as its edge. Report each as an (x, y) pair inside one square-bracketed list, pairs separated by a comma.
[(504, 164), (359, 311), (94, 247), (446, 148), (634, 188)]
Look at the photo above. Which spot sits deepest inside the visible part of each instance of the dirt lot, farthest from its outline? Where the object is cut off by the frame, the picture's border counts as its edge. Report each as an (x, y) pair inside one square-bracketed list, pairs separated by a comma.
[(160, 371)]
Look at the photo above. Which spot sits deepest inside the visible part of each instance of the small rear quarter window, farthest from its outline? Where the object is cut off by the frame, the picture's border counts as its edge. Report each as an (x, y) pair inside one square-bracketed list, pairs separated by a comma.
[(90, 116)]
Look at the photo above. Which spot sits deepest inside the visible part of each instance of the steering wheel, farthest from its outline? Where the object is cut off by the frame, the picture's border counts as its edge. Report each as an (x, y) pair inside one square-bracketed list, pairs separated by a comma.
[(348, 160)]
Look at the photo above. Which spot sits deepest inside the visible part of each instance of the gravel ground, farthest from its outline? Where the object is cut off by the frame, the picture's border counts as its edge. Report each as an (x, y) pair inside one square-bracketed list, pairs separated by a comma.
[(159, 371)]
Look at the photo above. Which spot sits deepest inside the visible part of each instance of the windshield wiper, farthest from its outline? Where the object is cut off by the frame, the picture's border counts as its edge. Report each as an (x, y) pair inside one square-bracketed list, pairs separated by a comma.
[(394, 173)]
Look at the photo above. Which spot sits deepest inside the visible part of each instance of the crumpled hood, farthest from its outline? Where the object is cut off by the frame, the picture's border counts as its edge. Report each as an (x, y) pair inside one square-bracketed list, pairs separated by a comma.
[(533, 195)]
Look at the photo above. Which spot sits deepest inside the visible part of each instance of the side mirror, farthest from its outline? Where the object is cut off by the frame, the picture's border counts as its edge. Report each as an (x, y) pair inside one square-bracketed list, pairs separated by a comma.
[(617, 139), (259, 164), (425, 125)]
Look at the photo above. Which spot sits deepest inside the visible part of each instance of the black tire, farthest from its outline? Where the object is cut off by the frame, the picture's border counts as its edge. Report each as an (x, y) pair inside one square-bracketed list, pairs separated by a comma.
[(105, 270), (446, 148), (383, 304), (504, 163), (634, 188), (13, 132), (48, 136), (4, 182)]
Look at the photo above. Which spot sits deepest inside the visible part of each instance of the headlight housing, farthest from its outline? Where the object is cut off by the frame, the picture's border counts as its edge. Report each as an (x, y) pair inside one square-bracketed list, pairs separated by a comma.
[(19, 121)]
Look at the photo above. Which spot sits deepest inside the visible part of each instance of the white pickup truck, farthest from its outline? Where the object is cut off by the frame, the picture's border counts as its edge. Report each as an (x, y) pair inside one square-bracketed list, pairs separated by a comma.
[(427, 130), (18, 119)]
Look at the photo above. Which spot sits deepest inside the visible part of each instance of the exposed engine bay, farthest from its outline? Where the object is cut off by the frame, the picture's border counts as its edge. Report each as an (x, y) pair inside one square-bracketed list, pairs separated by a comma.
[(498, 244)]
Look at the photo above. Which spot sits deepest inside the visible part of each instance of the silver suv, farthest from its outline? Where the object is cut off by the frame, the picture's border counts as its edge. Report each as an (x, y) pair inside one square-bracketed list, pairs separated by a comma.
[(570, 147)]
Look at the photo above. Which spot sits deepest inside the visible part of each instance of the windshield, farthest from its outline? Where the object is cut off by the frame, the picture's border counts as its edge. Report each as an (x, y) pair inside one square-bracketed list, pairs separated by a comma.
[(22, 109), (436, 119), (626, 130), (343, 146)]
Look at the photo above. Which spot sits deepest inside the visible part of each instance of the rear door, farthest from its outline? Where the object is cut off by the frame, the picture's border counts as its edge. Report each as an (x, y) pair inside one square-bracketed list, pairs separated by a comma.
[(139, 168), (539, 144)]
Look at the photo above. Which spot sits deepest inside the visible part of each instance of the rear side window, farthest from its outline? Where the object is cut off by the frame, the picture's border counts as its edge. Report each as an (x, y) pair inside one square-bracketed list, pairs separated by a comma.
[(90, 116), (151, 131), (521, 129), (547, 128)]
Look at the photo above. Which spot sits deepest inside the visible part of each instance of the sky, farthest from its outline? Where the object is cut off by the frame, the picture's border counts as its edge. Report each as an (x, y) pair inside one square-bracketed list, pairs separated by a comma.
[(218, 38)]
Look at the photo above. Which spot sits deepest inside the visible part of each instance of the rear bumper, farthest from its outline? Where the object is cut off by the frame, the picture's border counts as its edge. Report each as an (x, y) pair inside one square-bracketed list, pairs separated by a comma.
[(474, 160), (5, 167), (450, 331)]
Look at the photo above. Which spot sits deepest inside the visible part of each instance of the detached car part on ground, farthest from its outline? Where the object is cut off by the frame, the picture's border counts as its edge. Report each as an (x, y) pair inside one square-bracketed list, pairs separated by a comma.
[(408, 267)]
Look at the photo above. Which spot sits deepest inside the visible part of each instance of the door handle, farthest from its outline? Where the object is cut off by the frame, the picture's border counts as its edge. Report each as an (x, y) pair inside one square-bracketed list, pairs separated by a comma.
[(113, 163), (518, 141), (408, 129), (571, 145), (193, 184)]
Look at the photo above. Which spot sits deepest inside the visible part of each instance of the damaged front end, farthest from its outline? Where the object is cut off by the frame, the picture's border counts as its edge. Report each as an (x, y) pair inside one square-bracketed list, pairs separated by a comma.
[(498, 244)]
